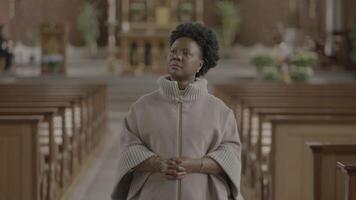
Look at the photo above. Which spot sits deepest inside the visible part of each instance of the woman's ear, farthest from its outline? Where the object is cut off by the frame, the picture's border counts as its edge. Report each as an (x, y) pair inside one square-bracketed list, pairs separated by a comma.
[(201, 63)]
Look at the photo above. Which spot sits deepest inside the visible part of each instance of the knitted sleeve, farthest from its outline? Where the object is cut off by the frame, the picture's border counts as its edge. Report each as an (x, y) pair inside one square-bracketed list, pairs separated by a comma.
[(228, 155), (133, 153)]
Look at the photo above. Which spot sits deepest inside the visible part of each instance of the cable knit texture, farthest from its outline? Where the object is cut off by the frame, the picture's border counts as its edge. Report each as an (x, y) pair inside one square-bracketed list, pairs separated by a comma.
[(192, 92), (166, 120)]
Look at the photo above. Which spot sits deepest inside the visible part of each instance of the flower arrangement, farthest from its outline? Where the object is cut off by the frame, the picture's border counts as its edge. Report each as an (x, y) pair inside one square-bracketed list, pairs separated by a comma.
[(296, 66), (304, 59), (301, 73), (263, 59), (53, 61), (270, 73), (302, 63)]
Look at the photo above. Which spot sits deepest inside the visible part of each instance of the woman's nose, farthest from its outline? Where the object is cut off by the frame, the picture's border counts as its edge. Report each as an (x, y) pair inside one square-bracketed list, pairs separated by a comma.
[(177, 55)]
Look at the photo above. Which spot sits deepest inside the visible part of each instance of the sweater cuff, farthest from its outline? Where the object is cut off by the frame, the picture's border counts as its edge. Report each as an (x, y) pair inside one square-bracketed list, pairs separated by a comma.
[(133, 156), (231, 165)]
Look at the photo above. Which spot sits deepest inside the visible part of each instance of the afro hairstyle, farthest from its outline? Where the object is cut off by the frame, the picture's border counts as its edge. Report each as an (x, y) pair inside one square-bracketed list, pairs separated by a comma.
[(205, 38)]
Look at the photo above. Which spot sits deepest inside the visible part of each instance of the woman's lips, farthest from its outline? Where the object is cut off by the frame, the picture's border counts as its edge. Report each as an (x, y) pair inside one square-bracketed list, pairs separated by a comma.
[(174, 66)]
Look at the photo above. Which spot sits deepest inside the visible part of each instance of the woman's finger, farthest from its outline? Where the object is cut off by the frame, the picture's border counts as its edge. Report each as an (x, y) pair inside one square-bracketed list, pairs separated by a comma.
[(170, 172), (180, 177), (181, 169), (171, 162), (176, 176), (176, 167), (178, 161), (173, 167), (180, 174)]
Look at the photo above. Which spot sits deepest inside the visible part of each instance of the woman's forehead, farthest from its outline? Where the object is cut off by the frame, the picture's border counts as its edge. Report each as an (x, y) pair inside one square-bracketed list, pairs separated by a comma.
[(186, 43)]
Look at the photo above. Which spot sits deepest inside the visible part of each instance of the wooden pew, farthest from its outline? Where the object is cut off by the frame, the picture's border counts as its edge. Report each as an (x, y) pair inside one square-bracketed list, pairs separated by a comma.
[(15, 132), (75, 114), (260, 141), (288, 99), (231, 93), (288, 169), (319, 103), (281, 95), (92, 116), (349, 169), (100, 115), (64, 142), (48, 148), (256, 167), (260, 138), (328, 181), (98, 93)]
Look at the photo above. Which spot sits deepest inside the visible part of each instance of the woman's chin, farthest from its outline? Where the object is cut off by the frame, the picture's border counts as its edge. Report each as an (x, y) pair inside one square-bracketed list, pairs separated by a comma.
[(174, 72), (175, 75)]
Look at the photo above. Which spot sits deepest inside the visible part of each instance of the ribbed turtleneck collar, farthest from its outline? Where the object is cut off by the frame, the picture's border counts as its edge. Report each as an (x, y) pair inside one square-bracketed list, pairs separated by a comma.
[(193, 91)]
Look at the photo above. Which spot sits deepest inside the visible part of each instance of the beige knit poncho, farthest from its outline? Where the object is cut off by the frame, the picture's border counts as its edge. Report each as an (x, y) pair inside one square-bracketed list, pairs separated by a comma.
[(170, 123)]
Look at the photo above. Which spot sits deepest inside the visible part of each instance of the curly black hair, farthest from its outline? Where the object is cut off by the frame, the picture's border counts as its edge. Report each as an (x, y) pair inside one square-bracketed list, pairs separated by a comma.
[(205, 38)]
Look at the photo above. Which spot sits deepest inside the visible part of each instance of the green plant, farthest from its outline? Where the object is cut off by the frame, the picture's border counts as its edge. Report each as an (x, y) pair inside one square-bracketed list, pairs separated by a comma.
[(262, 60), (299, 73), (33, 38), (270, 73), (137, 9), (304, 59), (53, 61), (186, 10), (230, 15), (88, 24)]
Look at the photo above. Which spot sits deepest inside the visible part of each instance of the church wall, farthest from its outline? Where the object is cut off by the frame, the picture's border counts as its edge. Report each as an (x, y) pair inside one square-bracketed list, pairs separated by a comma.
[(259, 18), (4, 11), (31, 13), (350, 13)]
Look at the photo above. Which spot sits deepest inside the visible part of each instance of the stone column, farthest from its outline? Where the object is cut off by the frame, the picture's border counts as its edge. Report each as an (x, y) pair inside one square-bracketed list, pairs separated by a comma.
[(141, 57), (112, 23), (155, 54)]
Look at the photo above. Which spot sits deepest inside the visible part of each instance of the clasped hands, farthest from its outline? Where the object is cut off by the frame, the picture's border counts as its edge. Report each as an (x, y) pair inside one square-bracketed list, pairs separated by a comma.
[(178, 168)]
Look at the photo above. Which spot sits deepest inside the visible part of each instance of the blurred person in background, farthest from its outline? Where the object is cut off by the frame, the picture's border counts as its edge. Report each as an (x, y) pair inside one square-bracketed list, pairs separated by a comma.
[(5, 49)]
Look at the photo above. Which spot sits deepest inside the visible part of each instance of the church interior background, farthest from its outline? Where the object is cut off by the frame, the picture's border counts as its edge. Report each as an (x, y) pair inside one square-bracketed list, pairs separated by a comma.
[(271, 48)]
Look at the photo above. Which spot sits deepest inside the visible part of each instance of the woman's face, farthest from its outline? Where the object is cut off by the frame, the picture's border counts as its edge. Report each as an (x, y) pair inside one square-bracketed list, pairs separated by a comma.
[(184, 59)]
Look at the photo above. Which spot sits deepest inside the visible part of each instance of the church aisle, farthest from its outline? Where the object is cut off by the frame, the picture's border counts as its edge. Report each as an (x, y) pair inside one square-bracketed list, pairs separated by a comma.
[(97, 180)]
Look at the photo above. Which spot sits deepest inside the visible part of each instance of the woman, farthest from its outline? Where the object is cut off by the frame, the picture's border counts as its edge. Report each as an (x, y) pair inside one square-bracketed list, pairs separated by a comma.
[(180, 142)]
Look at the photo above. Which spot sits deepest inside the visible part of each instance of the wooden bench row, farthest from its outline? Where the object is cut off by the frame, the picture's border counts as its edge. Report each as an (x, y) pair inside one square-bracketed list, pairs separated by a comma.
[(330, 182), (277, 120), (349, 170), (53, 127)]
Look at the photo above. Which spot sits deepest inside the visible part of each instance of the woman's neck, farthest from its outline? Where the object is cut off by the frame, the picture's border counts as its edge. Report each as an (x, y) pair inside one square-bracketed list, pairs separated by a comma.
[(182, 84)]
